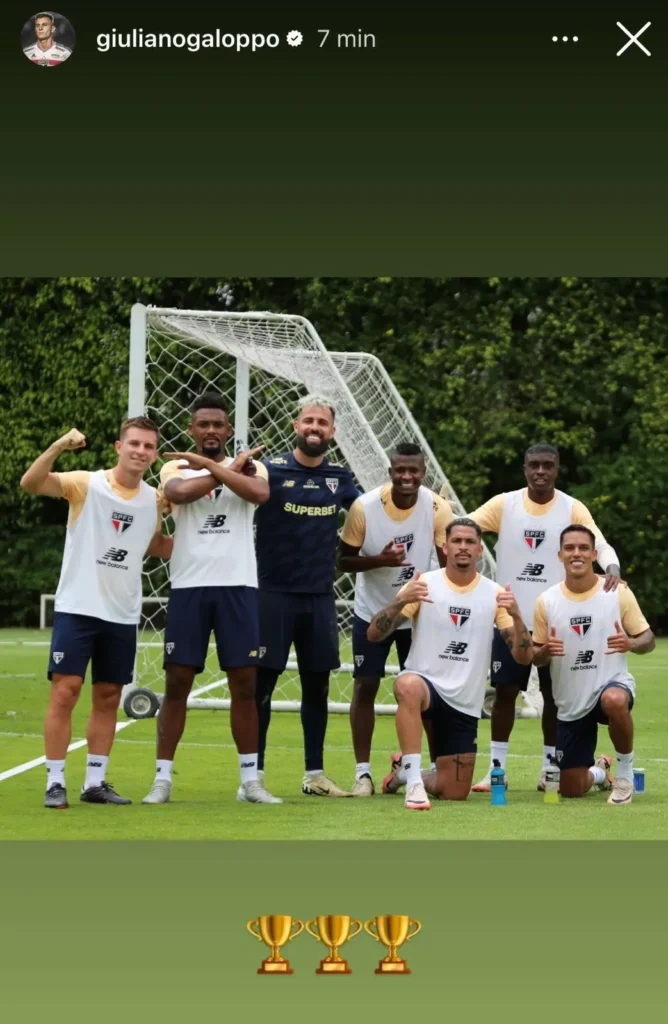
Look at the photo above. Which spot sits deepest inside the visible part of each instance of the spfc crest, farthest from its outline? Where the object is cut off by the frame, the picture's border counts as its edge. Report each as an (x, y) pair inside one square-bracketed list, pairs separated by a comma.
[(215, 493), (534, 538), (581, 624), (459, 616), (404, 542), (121, 521), (332, 482)]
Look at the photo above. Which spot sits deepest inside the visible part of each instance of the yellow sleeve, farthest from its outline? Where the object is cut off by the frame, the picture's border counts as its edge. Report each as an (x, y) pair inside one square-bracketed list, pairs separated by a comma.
[(540, 621), (581, 516), (409, 611), (488, 516), (633, 621), (443, 515), (74, 486), (354, 528), (261, 470), (169, 470)]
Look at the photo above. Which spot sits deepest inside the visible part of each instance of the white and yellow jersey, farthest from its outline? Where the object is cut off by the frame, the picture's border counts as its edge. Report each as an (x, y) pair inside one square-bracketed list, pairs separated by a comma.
[(583, 622), (528, 545), (213, 537), (452, 638), (108, 532), (53, 55), (373, 522)]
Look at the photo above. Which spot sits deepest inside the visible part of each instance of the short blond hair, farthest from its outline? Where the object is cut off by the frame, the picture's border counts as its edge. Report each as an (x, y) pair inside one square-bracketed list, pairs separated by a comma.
[(315, 402)]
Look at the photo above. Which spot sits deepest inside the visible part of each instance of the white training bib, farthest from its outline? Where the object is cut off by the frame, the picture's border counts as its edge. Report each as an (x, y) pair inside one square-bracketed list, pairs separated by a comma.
[(527, 551), (585, 669), (378, 587), (452, 641), (104, 553), (213, 539)]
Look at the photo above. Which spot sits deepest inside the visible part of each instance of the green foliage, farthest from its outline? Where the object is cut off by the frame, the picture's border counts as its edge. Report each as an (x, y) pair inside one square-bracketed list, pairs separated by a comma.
[(488, 366)]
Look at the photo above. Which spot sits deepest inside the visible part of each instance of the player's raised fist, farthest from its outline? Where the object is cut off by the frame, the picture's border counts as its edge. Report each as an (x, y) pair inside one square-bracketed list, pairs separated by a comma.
[(415, 590), (72, 439)]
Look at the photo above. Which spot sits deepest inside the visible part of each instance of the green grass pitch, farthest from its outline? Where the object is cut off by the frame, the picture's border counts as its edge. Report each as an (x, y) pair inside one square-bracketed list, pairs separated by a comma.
[(204, 805)]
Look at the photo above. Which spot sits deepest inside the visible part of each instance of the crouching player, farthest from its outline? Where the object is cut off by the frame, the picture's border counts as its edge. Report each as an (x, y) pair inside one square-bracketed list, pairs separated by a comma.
[(585, 632), (454, 611)]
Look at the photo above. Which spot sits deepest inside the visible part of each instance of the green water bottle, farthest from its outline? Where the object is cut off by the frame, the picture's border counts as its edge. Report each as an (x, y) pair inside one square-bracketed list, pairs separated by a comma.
[(552, 776)]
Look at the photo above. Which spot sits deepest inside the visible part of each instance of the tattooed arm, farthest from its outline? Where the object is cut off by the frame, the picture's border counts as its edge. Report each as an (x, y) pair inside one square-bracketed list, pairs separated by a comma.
[(392, 616), (517, 636)]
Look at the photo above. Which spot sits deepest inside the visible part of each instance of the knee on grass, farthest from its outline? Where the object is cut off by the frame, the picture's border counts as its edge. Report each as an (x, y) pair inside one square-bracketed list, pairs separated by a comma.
[(615, 701)]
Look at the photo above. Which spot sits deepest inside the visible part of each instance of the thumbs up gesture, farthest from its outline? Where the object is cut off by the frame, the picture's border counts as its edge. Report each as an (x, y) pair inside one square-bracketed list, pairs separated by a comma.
[(554, 645), (506, 599), (619, 642), (415, 590)]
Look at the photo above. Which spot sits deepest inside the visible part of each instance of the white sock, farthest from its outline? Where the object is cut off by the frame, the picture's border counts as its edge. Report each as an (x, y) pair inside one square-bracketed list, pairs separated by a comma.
[(498, 752), (96, 769), (55, 773), (315, 773), (411, 764), (363, 768), (248, 767), (163, 770), (625, 766), (599, 775), (432, 766), (547, 753)]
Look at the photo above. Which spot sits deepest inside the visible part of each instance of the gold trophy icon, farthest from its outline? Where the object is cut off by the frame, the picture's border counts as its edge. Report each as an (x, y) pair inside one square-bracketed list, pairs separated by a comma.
[(275, 930), (392, 930), (333, 930)]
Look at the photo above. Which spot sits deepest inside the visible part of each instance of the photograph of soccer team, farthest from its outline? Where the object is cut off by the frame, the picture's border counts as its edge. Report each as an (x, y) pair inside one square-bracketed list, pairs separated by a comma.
[(326, 523)]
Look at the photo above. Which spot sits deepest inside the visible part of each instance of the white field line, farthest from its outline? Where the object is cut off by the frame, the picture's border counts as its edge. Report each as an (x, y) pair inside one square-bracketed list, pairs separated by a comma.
[(27, 765)]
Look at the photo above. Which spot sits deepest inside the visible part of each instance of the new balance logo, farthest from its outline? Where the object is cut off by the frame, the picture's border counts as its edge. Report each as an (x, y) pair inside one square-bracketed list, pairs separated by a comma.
[(121, 521), (459, 616), (252, 654), (456, 648), (94, 764), (581, 624), (247, 764), (534, 538), (58, 657), (115, 555), (533, 569), (214, 522), (405, 575), (584, 657), (169, 648)]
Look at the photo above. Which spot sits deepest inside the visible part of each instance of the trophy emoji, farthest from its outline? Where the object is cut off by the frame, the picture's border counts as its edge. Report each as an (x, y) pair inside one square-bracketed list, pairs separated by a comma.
[(392, 930), (275, 930), (333, 930)]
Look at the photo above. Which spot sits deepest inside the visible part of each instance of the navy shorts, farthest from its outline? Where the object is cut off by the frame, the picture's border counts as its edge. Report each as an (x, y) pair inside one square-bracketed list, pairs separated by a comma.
[(576, 741), (306, 620), (77, 640), (452, 731), (230, 613), (370, 658), (506, 670)]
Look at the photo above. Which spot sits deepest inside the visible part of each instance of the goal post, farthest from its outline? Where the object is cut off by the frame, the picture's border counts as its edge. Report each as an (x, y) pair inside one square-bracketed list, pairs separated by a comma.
[(263, 363)]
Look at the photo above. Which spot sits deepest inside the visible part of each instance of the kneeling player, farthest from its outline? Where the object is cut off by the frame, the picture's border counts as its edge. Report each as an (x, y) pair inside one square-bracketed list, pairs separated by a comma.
[(454, 611), (585, 632)]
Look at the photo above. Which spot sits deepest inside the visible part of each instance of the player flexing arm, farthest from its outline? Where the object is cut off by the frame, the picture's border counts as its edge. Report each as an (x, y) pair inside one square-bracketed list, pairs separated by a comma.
[(585, 633), (388, 535), (527, 523), (97, 608)]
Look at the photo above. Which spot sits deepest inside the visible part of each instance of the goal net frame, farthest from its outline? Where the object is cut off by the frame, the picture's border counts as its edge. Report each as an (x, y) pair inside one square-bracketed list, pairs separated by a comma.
[(263, 362)]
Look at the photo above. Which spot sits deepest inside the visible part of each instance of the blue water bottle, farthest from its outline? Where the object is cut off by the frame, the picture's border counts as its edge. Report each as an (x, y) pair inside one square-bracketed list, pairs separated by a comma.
[(498, 780)]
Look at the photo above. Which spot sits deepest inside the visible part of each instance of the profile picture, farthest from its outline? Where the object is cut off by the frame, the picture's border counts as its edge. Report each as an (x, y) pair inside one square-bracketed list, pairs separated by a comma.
[(47, 39)]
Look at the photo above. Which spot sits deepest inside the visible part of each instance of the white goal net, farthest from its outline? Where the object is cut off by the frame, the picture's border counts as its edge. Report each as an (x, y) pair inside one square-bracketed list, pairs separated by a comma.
[(263, 363)]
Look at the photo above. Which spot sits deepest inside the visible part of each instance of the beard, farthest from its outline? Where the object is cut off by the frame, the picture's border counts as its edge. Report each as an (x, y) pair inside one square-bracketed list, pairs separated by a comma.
[(211, 448), (312, 450)]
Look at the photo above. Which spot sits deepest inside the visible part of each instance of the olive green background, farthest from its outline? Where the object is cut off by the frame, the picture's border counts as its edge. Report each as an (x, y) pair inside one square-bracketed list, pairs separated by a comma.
[(520, 931)]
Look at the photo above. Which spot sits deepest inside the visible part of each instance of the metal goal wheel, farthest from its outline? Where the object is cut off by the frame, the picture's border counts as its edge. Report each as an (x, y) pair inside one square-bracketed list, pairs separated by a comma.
[(141, 703), (487, 703)]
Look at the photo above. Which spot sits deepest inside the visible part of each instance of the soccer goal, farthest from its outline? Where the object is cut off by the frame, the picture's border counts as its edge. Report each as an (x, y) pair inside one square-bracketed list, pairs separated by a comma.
[(263, 363)]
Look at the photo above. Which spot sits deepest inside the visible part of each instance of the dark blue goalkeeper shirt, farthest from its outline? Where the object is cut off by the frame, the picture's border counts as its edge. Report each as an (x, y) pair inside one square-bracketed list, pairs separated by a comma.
[(297, 529)]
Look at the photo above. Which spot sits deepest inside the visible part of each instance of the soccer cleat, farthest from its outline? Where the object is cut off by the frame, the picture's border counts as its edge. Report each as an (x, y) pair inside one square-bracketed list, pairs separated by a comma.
[(56, 797), (320, 785), (253, 792), (392, 782), (485, 785), (102, 794), (604, 762), (160, 792), (416, 798), (622, 791), (364, 786)]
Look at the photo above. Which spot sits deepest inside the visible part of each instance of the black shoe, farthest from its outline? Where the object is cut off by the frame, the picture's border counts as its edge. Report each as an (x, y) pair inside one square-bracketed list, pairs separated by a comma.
[(103, 794), (56, 797)]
